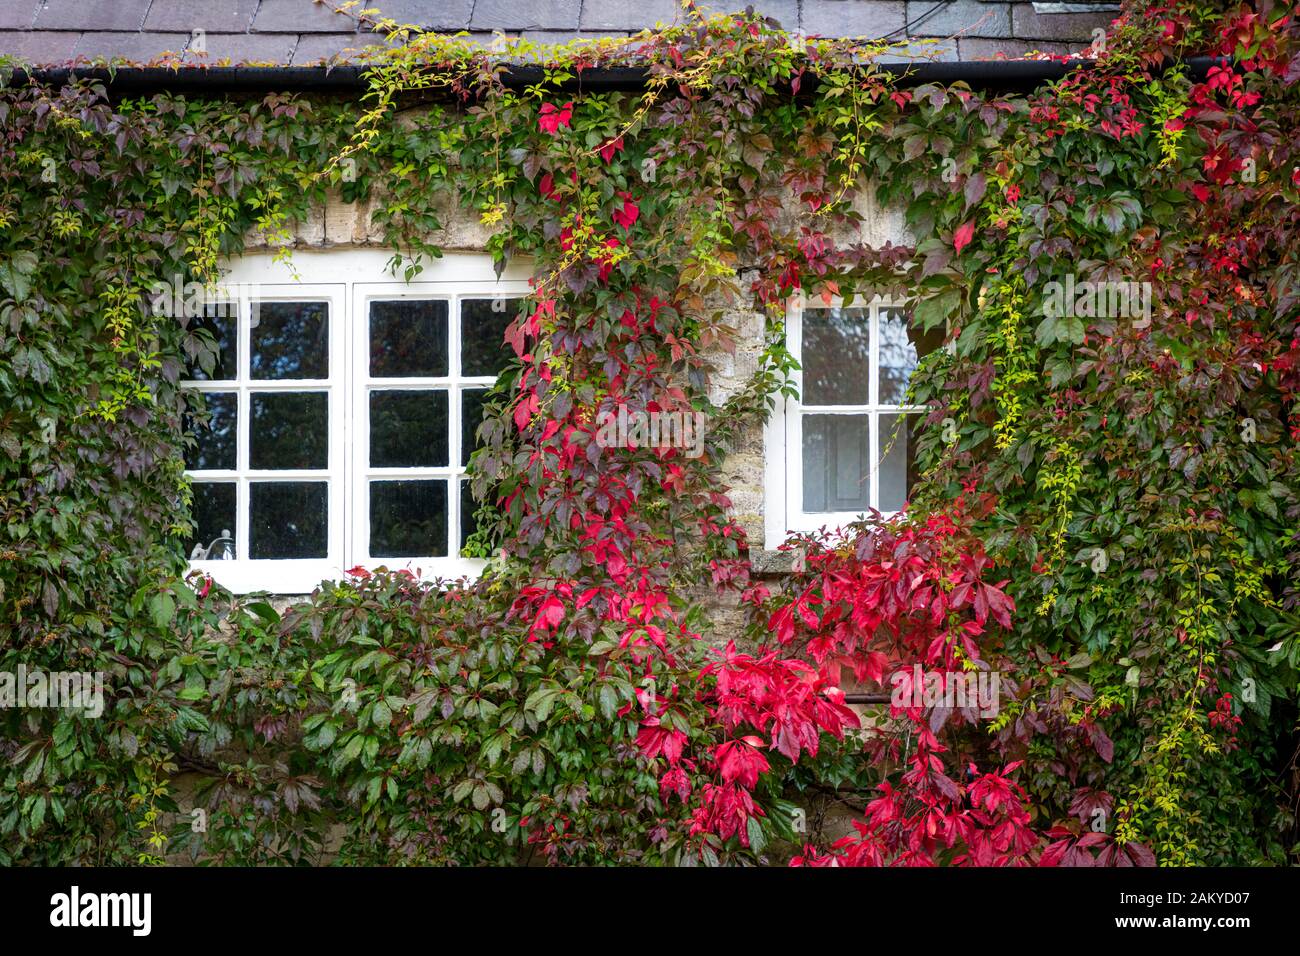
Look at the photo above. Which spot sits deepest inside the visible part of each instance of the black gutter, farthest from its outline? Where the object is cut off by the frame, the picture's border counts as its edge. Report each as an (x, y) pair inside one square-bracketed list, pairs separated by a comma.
[(997, 75)]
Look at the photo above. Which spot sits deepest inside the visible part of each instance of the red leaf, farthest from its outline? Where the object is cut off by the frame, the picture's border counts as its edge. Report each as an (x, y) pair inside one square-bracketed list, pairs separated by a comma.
[(962, 237)]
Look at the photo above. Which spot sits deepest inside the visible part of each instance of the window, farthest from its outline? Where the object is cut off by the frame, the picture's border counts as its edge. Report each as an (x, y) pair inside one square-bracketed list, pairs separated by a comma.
[(846, 444), (341, 413)]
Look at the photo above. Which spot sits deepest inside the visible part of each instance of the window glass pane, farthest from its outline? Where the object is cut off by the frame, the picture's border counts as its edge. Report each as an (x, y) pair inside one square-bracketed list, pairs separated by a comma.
[(290, 340), (836, 356), (467, 508), (222, 324), (288, 519), (213, 511), (483, 349), (897, 471), (216, 437), (408, 519), (289, 430), (897, 357), (836, 463), (408, 429), (471, 416), (408, 338)]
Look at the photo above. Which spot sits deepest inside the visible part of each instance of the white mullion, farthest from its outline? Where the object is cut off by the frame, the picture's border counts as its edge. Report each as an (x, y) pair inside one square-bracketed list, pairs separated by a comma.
[(243, 494), (873, 356), (289, 474), (357, 344), (406, 385), (873, 397), (454, 397), (408, 474), (360, 495), (341, 370), (335, 486), (290, 384), (873, 475)]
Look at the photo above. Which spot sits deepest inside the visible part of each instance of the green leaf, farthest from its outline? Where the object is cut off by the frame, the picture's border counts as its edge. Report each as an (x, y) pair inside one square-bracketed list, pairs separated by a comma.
[(462, 790), (541, 701), (163, 610), (1047, 331), (754, 830), (608, 701), (935, 311)]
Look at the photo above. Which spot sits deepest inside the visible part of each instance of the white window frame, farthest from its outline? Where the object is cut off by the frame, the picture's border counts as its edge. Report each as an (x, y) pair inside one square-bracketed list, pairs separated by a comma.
[(349, 280), (783, 512)]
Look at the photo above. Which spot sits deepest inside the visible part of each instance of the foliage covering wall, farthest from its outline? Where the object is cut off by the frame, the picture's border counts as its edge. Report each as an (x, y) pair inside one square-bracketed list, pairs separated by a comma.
[(567, 706)]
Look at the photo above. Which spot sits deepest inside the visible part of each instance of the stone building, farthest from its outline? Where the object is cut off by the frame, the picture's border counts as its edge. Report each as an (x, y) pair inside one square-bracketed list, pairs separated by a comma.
[(279, 504)]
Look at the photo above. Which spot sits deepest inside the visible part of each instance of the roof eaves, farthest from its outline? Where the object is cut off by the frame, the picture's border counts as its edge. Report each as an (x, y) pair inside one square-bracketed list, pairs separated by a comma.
[(1007, 75)]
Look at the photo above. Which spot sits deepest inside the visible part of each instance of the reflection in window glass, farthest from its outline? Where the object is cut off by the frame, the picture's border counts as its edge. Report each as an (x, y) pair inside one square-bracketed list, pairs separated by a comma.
[(483, 349), (836, 463), (408, 338), (471, 416), (215, 438), (288, 519), (468, 506), (408, 429), (836, 356), (289, 430), (223, 331), (895, 473), (897, 357), (408, 519), (213, 510), (290, 340)]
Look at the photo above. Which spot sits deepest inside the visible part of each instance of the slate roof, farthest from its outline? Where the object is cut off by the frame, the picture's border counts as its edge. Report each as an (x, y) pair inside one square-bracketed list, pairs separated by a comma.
[(305, 32)]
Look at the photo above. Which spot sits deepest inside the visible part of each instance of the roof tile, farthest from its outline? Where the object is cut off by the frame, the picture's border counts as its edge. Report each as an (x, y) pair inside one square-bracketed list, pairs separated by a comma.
[(1057, 26), (299, 16), (210, 16), (982, 48), (784, 12), (960, 18), (244, 48), (627, 14), (136, 47), (525, 15), (122, 15), (42, 47), (314, 47), (449, 15), (843, 18), (18, 14)]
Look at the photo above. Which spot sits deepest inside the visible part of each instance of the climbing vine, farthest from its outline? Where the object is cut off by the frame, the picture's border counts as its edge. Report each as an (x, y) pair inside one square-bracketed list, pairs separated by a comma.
[(1107, 524)]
